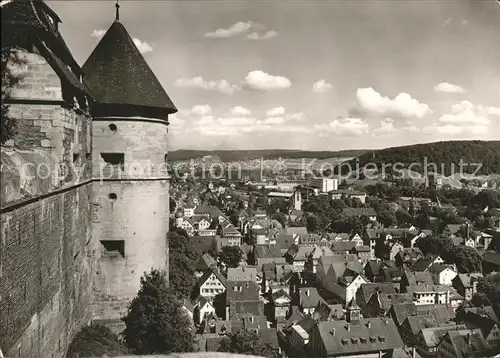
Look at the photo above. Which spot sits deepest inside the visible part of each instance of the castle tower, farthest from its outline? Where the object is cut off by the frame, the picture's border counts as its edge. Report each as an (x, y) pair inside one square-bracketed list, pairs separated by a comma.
[(131, 187)]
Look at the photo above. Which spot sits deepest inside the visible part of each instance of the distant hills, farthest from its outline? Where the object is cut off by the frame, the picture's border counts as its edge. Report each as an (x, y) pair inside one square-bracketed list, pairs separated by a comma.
[(443, 154), (239, 155)]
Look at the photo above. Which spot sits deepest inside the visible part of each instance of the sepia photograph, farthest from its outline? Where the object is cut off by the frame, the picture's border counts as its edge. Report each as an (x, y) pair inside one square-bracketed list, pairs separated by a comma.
[(250, 179)]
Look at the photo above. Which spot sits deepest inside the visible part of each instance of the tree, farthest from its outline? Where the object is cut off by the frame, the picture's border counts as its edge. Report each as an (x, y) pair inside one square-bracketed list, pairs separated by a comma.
[(468, 260), (173, 205), (487, 198), (312, 223), (182, 260), (96, 341), (488, 290), (247, 342), (10, 56), (386, 217), (156, 322), (230, 256), (382, 250), (431, 245), (280, 217)]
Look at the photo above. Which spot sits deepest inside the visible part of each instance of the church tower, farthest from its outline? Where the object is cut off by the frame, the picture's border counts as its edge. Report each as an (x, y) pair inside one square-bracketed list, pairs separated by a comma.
[(131, 187)]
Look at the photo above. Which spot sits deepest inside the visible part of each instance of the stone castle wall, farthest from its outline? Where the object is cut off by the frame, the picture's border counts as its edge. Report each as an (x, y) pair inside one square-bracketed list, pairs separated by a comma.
[(46, 252)]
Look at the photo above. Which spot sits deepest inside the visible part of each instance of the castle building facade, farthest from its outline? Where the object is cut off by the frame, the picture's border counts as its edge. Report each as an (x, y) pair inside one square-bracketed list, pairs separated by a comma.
[(84, 183)]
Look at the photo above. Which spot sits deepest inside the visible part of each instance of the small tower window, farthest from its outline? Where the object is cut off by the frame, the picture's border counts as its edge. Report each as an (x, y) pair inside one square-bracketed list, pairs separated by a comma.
[(114, 159), (114, 247), (112, 128), (112, 197)]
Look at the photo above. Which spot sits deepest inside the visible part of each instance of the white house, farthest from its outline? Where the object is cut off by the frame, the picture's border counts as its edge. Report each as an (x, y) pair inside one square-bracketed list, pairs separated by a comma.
[(358, 241), (442, 274), (189, 211), (353, 286), (202, 309), (211, 284)]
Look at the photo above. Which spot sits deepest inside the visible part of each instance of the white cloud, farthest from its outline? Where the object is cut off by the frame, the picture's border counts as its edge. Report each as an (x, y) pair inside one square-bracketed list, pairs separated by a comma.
[(175, 121), (453, 129), (234, 30), (267, 35), (259, 80), (386, 128), (465, 113), (346, 127), (447, 21), (98, 33), (448, 88), (235, 121), (489, 111), (143, 46), (402, 105), (198, 110), (321, 86), (240, 111), (206, 121), (222, 86), (276, 111), (278, 115), (274, 120), (299, 116), (253, 30)]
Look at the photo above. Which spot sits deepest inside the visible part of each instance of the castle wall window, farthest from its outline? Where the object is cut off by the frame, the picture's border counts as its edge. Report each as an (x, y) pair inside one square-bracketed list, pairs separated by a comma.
[(114, 247), (114, 159)]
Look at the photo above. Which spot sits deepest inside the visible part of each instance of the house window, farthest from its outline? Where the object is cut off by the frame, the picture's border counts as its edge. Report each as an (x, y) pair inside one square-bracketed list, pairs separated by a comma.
[(76, 156), (114, 247)]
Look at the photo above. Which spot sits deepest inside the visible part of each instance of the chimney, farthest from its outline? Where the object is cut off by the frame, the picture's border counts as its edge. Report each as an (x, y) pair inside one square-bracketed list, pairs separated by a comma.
[(413, 352), (307, 292), (348, 327), (369, 325), (332, 332)]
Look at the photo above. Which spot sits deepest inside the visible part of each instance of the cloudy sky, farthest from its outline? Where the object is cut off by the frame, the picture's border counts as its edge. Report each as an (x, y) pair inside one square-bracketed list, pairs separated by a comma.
[(316, 75)]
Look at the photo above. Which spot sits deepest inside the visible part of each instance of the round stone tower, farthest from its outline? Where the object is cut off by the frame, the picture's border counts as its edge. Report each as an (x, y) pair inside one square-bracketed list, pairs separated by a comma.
[(131, 186)]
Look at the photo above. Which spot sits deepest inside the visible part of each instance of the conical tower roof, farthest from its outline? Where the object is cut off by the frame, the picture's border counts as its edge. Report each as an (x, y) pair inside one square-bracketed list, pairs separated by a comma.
[(117, 74)]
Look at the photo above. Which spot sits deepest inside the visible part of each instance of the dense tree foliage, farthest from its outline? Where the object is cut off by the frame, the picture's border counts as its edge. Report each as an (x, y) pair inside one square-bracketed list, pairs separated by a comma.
[(488, 292), (280, 217), (155, 322), (444, 154), (10, 78), (230, 256), (466, 258), (182, 260), (249, 343), (96, 341)]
